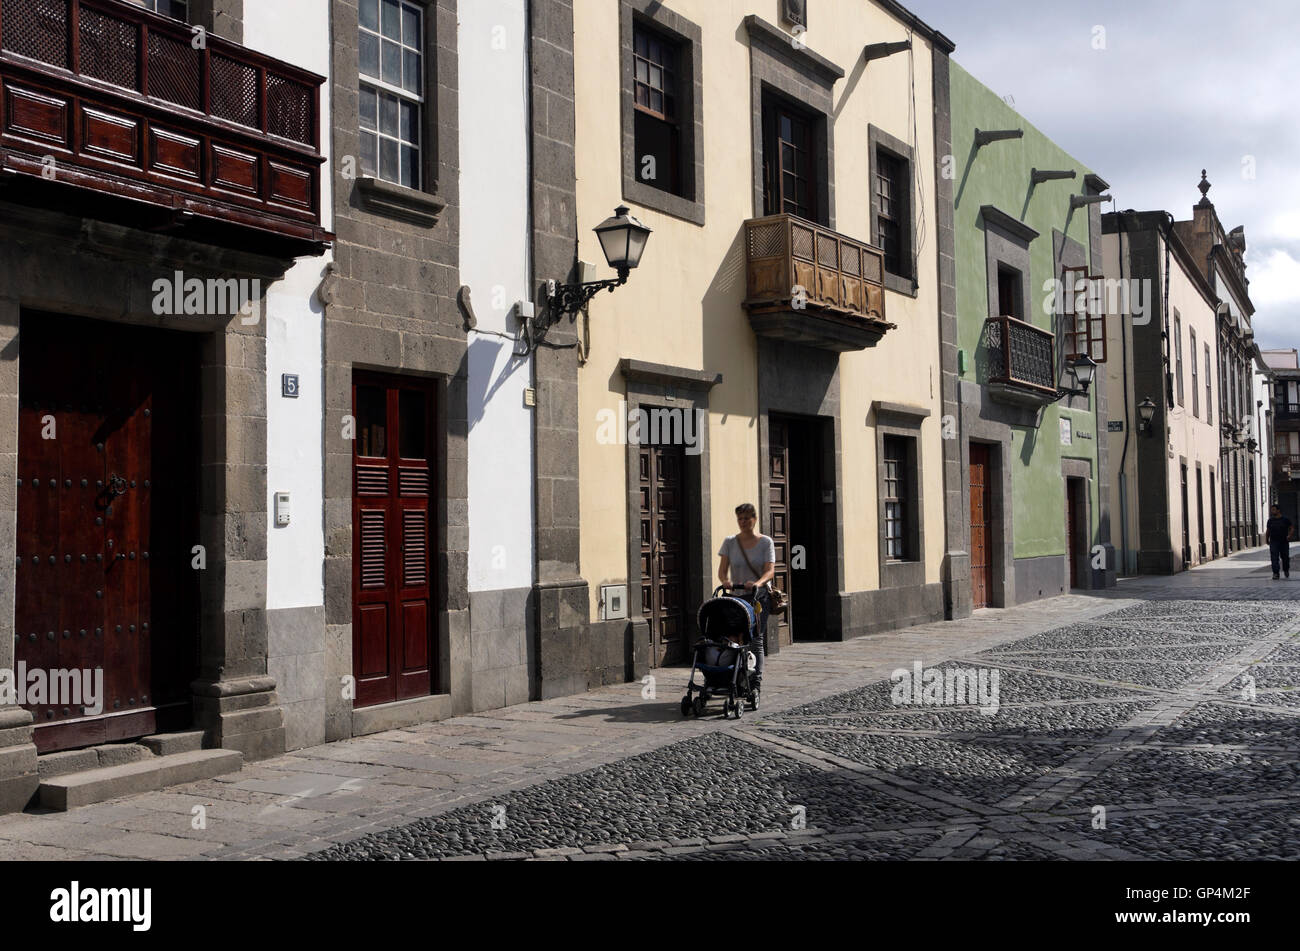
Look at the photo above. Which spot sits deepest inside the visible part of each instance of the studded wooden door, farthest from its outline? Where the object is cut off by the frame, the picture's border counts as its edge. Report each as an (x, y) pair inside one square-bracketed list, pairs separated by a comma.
[(392, 561), (105, 577), (981, 562), (663, 550)]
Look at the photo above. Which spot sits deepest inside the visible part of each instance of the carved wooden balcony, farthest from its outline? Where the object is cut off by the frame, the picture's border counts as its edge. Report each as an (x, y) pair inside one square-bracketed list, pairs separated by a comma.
[(1021, 361), (806, 284), (108, 111)]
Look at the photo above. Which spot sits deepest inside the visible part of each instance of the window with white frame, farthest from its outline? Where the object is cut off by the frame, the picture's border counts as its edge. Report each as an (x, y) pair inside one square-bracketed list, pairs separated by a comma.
[(176, 9), (391, 52)]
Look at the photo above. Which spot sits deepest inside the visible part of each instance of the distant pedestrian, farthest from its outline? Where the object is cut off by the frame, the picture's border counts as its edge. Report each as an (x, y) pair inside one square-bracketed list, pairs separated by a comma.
[(1278, 533)]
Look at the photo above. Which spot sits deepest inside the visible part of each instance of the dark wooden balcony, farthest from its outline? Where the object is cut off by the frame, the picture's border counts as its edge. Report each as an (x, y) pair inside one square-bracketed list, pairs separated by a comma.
[(842, 304), (1286, 466), (108, 111), (1021, 360)]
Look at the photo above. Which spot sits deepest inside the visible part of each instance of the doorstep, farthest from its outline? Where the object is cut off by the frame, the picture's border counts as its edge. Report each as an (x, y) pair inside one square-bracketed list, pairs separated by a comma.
[(399, 714), (69, 790)]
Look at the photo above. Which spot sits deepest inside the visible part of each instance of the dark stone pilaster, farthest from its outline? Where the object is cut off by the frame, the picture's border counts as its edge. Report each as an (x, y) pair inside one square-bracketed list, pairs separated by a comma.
[(955, 572), (562, 599)]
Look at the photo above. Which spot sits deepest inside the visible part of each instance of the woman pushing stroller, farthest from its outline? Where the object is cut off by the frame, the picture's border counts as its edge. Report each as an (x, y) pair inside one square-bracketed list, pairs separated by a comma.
[(748, 559)]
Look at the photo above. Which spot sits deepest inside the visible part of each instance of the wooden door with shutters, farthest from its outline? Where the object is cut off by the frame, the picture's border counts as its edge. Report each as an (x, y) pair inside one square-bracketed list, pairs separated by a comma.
[(778, 513), (661, 485), (981, 547), (393, 508), (106, 525)]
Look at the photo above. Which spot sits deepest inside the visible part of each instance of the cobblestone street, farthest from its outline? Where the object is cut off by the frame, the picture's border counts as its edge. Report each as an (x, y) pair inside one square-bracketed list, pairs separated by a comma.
[(1162, 722)]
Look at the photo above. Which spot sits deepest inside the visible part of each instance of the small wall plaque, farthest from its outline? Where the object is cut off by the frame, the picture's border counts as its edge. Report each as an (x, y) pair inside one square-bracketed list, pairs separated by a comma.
[(289, 385), (1114, 425)]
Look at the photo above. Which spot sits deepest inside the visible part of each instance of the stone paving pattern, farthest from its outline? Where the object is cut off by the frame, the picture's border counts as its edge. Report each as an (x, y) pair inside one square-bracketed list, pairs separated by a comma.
[(1132, 701)]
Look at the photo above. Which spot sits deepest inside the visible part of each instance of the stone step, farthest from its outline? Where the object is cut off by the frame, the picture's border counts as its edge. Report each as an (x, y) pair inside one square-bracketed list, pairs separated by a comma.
[(62, 793), (165, 744)]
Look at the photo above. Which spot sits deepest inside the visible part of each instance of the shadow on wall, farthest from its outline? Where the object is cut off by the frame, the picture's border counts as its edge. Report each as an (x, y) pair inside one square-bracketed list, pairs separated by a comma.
[(481, 358), (729, 342)]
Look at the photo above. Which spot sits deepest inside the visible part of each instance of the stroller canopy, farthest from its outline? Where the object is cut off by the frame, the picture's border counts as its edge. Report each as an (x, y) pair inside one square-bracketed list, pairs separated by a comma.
[(727, 617)]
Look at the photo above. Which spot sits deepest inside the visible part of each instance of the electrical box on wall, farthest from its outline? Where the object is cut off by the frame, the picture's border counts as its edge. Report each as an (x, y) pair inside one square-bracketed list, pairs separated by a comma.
[(282, 508), (613, 602)]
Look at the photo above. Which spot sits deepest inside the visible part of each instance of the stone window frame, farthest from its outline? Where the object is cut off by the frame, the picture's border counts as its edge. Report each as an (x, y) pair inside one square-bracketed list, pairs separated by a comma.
[(1006, 243), (896, 419), (805, 79), (420, 206), (878, 140), (1196, 377), (690, 44), (1178, 356)]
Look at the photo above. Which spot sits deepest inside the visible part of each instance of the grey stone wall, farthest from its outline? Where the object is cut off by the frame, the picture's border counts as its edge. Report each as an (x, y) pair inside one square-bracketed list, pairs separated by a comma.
[(503, 645), (392, 308), (562, 632)]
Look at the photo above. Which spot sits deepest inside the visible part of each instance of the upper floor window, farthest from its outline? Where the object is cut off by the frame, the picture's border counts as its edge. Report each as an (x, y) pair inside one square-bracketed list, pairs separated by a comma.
[(657, 124), (1178, 356), (391, 53), (176, 9), (1209, 407), (1009, 300), (790, 175), (1196, 387)]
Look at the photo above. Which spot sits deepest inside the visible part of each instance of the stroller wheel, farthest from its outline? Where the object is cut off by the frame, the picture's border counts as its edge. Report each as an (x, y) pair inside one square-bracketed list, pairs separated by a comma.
[(686, 705), (739, 707), (698, 705), (753, 699)]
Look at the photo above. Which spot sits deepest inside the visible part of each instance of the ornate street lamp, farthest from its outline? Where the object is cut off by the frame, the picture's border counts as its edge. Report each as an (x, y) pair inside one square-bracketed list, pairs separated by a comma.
[(1147, 412), (623, 239)]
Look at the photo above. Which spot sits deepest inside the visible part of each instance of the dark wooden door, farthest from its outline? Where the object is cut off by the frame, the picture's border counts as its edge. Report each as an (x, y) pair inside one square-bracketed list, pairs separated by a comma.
[(106, 525), (663, 550), (1187, 528), (779, 528), (1072, 516), (392, 562), (981, 562)]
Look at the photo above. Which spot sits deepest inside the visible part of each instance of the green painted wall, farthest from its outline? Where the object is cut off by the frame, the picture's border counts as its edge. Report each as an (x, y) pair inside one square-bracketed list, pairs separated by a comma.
[(999, 175)]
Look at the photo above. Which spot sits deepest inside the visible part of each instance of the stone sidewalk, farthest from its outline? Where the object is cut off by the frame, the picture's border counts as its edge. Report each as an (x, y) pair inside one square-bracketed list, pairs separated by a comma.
[(312, 799)]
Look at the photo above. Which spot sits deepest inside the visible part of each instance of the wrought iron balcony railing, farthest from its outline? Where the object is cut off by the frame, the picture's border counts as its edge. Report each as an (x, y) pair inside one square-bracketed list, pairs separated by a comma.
[(1288, 410), (1021, 355), (105, 95), (808, 284)]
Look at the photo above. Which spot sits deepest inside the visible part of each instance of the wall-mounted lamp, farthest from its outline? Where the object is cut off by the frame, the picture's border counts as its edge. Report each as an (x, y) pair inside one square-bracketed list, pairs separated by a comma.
[(881, 50), (1083, 368), (1037, 175), (623, 239), (984, 137), (1080, 201), (1147, 412)]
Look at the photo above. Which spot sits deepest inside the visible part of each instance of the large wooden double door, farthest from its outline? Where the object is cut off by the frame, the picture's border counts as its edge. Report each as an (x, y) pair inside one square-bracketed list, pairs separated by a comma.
[(107, 520), (393, 508), (662, 488)]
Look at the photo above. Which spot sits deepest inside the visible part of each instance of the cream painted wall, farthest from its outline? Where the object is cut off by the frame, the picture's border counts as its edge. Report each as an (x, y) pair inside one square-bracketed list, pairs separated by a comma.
[(683, 306)]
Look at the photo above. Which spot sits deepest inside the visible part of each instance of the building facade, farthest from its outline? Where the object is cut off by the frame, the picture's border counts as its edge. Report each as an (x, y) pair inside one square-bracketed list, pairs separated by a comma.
[(157, 273), (1162, 344), (1221, 257), (779, 343), (1035, 504), (1284, 375)]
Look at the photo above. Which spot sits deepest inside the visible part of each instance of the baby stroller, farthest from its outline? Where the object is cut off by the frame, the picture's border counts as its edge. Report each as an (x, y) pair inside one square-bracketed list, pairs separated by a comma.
[(727, 626)]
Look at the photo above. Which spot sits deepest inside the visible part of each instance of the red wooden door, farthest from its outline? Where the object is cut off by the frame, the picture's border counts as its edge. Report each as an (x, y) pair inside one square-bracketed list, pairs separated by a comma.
[(104, 582), (392, 511), (981, 564), (663, 550), (778, 511)]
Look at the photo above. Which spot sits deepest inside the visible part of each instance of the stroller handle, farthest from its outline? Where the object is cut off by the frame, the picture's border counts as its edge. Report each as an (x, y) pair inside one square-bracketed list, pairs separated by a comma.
[(730, 587)]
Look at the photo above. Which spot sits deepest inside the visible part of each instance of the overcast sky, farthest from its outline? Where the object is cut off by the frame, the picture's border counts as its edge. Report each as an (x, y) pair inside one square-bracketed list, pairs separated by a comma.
[(1181, 85)]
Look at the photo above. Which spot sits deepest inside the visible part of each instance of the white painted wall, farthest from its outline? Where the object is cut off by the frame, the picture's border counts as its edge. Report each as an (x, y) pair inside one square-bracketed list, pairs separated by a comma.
[(297, 32), (494, 263)]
